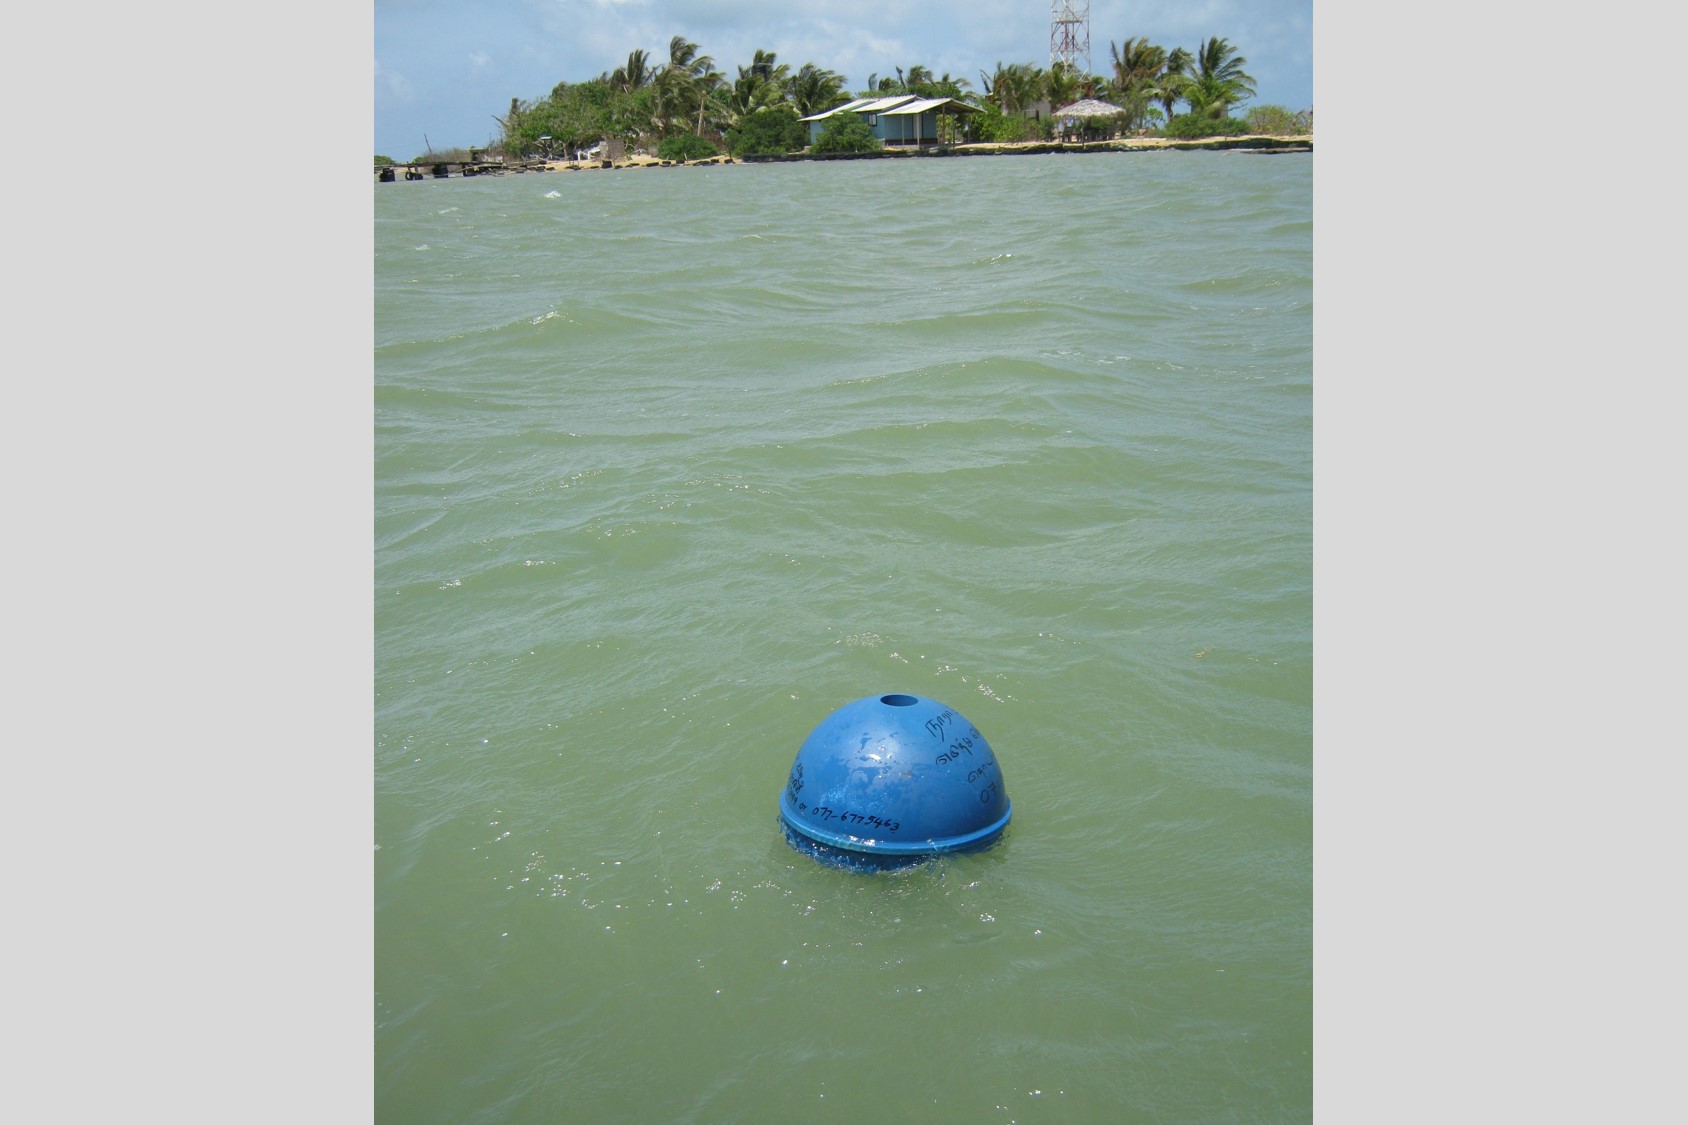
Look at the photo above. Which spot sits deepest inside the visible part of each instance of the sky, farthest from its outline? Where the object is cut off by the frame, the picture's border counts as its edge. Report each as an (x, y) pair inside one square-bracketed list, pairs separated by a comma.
[(445, 69)]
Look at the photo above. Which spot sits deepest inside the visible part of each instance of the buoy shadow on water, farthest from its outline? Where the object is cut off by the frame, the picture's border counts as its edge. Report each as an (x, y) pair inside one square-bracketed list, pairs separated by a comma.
[(889, 781)]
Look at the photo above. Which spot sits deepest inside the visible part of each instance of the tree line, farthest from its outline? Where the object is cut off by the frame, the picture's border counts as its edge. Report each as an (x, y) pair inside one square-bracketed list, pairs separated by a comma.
[(685, 107)]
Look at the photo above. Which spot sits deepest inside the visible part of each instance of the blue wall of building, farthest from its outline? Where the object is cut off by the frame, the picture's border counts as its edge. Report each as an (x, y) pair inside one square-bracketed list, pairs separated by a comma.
[(892, 128)]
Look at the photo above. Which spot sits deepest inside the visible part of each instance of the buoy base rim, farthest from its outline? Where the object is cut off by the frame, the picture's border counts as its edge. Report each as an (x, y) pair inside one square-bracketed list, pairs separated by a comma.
[(844, 858), (914, 849)]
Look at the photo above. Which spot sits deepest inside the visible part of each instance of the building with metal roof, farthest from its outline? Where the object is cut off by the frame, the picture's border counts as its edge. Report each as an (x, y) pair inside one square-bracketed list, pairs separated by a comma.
[(897, 121)]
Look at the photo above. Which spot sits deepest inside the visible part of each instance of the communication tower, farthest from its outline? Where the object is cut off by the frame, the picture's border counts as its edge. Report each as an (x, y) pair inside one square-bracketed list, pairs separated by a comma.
[(1069, 34)]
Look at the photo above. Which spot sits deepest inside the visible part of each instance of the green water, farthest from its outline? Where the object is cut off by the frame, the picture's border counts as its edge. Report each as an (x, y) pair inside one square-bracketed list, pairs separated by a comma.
[(670, 464)]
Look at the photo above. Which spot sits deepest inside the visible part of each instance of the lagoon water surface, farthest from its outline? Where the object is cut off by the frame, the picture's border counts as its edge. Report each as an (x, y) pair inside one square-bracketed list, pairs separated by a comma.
[(670, 464)]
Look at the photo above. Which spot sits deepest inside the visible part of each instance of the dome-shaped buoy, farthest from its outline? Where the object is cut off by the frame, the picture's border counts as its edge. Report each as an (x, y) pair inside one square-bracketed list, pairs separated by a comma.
[(889, 780)]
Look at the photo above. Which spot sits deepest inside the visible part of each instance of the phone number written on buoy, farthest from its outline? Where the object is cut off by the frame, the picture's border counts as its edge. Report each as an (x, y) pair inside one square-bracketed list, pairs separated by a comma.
[(821, 812)]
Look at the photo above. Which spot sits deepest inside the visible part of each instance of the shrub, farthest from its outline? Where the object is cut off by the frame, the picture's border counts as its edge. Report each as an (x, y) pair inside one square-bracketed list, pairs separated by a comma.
[(1276, 121), (446, 156), (993, 126), (846, 132), (383, 161), (768, 132), (686, 147), (1190, 126)]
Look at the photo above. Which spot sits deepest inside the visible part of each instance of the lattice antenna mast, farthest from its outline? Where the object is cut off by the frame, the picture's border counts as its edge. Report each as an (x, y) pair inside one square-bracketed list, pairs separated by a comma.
[(1069, 34)]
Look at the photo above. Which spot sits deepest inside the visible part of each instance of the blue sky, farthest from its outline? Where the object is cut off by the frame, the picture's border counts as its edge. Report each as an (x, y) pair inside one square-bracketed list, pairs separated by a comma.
[(444, 69)]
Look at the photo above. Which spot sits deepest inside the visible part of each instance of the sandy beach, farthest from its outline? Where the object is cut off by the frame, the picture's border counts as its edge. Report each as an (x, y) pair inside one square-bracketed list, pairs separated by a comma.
[(1263, 144), (1302, 143)]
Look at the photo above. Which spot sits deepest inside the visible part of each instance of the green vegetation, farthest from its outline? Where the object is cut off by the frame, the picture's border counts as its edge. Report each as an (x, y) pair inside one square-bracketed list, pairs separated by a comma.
[(1148, 81), (771, 131), (384, 161), (572, 118), (450, 156), (1276, 121), (1192, 126), (681, 106), (1219, 82), (1015, 89), (646, 104), (918, 80), (846, 132), (815, 90), (1142, 75), (993, 126), (685, 147)]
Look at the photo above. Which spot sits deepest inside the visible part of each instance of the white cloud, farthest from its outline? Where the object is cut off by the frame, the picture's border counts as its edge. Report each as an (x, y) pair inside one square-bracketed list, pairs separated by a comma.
[(395, 85)]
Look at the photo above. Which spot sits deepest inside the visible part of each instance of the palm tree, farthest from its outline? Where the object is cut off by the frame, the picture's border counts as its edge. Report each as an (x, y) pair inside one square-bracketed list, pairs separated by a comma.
[(1027, 81), (1220, 81), (1062, 85), (685, 83), (1014, 88), (1137, 63), (758, 86), (762, 66), (1173, 75), (815, 90), (708, 85), (1216, 57), (635, 74), (1137, 66), (683, 55), (511, 122), (949, 87)]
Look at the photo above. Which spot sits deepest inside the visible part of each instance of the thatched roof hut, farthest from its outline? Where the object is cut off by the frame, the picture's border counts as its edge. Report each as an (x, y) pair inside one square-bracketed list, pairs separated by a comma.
[(1088, 107)]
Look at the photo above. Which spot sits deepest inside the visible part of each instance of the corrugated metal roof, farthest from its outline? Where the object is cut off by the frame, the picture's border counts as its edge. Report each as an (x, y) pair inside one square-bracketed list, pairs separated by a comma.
[(850, 105), (884, 105), (925, 105), (863, 105)]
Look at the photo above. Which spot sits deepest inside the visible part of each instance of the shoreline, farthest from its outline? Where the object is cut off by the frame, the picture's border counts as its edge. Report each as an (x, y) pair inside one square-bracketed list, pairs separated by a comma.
[(1253, 143)]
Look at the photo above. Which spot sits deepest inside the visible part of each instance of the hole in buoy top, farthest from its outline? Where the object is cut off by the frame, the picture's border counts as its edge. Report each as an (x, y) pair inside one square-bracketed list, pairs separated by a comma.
[(898, 700)]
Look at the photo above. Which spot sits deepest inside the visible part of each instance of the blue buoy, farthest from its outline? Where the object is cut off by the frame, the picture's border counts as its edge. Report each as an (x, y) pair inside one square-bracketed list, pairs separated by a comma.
[(890, 780)]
